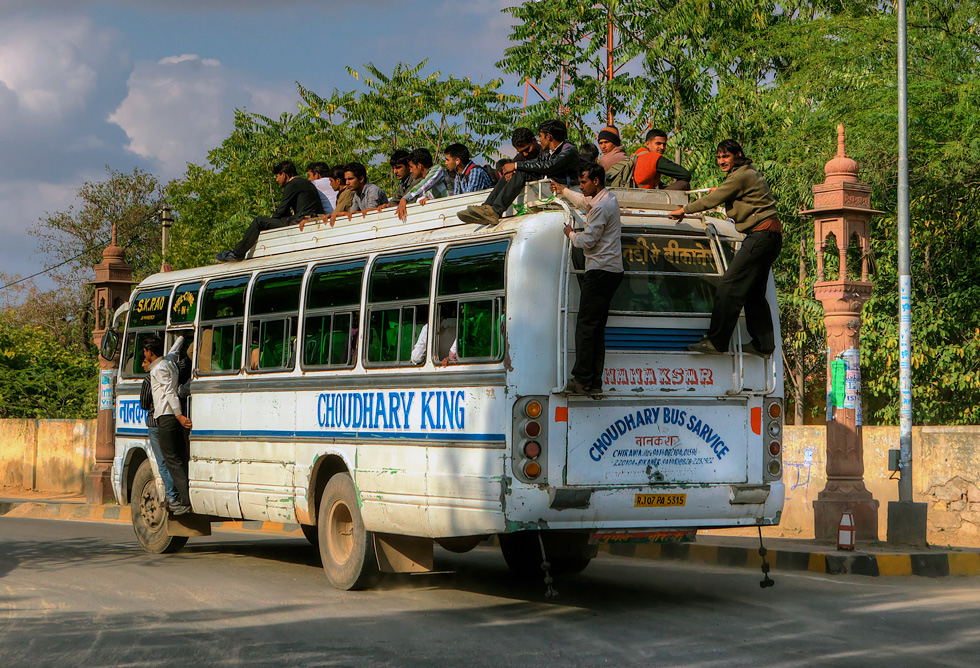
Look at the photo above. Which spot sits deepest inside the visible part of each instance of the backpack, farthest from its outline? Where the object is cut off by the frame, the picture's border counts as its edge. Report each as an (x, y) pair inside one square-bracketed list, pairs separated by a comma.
[(620, 175)]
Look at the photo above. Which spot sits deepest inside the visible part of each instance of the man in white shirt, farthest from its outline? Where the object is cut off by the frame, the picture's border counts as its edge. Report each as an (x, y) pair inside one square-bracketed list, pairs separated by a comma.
[(171, 421), (319, 175), (601, 241)]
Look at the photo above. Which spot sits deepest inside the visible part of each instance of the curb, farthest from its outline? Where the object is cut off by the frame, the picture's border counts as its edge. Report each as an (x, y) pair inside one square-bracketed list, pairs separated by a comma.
[(123, 515), (924, 564)]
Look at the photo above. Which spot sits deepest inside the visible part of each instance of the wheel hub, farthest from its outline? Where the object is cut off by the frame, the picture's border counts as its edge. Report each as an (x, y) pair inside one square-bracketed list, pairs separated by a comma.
[(340, 532)]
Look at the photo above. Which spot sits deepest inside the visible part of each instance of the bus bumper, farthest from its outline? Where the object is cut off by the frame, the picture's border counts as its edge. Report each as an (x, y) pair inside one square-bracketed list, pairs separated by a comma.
[(704, 506)]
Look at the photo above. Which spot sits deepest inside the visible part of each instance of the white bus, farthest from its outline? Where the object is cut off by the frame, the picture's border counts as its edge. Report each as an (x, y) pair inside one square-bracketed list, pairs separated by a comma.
[(308, 408)]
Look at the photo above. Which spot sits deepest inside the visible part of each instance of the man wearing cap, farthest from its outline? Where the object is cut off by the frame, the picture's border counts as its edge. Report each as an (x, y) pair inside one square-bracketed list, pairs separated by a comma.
[(611, 146)]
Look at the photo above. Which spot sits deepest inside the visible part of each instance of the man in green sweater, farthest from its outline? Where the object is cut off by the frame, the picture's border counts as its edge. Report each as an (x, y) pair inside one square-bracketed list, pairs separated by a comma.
[(748, 201)]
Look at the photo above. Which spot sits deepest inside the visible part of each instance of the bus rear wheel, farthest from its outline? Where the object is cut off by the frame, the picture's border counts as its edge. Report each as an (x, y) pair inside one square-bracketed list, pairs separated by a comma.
[(346, 547), (149, 515), (568, 553)]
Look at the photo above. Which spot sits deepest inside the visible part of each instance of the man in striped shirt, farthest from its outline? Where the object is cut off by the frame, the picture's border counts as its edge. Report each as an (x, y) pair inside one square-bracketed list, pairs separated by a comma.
[(434, 181), (468, 177)]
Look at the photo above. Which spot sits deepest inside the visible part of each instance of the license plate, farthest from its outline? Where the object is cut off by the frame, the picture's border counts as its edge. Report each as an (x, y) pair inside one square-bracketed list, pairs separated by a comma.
[(659, 500)]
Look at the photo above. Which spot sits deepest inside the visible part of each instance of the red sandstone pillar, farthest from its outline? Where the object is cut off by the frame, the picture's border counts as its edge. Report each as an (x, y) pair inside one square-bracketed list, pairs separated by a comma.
[(842, 210), (113, 283)]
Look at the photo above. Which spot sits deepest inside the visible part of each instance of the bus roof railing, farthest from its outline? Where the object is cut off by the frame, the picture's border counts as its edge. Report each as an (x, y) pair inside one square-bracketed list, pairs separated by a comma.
[(434, 215)]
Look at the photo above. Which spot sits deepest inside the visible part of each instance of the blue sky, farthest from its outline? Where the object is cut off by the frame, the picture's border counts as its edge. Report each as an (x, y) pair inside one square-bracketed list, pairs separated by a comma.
[(154, 83)]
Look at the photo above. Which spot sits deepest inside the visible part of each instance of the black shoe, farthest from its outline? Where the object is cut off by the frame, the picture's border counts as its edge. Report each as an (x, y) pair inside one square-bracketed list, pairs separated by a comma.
[(227, 256), (180, 509), (750, 349), (703, 346)]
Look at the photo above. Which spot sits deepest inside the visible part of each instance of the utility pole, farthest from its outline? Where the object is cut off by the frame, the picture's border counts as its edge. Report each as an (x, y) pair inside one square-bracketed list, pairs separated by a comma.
[(166, 222), (906, 519)]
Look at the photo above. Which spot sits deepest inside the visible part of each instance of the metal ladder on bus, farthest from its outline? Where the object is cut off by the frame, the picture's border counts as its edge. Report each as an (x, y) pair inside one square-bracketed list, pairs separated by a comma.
[(561, 384), (738, 357)]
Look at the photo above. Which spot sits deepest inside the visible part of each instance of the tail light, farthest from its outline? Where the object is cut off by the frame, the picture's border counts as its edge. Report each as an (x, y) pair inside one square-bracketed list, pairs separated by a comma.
[(530, 439), (773, 455)]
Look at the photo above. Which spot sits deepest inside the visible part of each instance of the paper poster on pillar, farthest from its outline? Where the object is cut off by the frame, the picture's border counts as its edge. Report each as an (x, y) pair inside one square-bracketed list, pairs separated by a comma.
[(105, 390), (852, 382)]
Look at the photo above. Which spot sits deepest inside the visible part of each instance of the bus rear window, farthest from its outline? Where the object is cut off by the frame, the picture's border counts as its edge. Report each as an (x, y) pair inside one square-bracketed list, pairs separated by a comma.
[(667, 274)]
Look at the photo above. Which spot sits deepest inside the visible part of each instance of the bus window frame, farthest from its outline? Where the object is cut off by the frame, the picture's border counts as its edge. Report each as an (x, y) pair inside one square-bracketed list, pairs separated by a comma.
[(368, 307), (717, 254), (159, 330), (291, 318), (201, 323), (460, 298), (332, 311)]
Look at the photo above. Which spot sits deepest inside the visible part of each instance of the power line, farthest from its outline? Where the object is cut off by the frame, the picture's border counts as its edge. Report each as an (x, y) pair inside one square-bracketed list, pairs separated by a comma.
[(55, 266)]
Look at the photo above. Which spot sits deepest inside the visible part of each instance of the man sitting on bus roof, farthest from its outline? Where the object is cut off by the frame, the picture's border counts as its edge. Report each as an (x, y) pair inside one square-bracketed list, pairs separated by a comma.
[(558, 160), (367, 195), (651, 165), (299, 200), (601, 241), (433, 181), (402, 172), (468, 177), (318, 173)]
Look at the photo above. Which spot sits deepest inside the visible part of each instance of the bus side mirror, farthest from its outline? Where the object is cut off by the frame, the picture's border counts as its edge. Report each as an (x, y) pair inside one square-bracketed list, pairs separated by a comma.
[(110, 341)]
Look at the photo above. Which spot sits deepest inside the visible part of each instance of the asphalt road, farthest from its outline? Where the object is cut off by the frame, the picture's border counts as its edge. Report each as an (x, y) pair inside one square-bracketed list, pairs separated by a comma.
[(84, 594)]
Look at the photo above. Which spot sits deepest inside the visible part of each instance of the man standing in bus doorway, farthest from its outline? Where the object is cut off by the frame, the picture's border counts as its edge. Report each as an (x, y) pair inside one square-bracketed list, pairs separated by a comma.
[(748, 201), (299, 200), (170, 418), (602, 243), (152, 428)]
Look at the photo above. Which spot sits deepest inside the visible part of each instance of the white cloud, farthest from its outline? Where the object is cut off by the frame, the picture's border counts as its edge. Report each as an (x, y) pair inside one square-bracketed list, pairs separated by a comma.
[(180, 106), (49, 67)]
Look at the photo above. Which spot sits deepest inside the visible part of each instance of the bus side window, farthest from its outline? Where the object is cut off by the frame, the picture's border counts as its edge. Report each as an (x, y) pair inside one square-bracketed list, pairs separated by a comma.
[(398, 306), (332, 315), (147, 317), (471, 302), (222, 326), (273, 316)]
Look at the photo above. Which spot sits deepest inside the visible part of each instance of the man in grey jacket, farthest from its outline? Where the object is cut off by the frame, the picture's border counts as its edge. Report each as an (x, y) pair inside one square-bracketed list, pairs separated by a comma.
[(601, 240)]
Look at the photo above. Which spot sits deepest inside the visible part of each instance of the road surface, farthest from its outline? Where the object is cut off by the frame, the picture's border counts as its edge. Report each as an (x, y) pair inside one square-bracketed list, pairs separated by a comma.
[(84, 594)]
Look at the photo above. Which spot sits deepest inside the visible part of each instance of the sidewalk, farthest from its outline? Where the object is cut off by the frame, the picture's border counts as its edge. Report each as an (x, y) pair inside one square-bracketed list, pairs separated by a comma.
[(783, 554)]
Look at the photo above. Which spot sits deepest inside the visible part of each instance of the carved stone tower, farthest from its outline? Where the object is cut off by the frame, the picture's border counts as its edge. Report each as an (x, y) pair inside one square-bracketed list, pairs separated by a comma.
[(113, 283), (842, 218)]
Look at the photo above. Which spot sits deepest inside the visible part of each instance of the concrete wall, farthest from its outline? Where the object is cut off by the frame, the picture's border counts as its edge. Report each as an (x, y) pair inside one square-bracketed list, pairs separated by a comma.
[(946, 475), (46, 455)]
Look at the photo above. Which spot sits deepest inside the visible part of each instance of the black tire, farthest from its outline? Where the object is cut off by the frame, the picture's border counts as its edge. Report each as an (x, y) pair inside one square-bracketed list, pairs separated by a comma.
[(346, 547), (312, 534), (567, 554), (149, 516)]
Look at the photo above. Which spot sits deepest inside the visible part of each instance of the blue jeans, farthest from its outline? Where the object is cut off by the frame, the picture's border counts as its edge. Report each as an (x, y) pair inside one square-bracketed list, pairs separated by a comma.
[(168, 482)]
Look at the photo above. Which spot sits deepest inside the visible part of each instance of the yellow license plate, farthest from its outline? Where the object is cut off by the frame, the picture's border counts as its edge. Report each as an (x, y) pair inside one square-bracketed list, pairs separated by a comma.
[(659, 500)]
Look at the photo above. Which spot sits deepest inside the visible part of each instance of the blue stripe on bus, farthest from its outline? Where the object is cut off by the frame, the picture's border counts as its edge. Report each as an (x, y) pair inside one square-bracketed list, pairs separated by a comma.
[(259, 433), (648, 338)]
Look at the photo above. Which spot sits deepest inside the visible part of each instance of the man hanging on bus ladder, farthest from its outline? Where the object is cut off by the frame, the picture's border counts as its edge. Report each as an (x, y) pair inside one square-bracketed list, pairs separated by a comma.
[(602, 244), (170, 418), (558, 160), (468, 177), (433, 182), (300, 199), (748, 201)]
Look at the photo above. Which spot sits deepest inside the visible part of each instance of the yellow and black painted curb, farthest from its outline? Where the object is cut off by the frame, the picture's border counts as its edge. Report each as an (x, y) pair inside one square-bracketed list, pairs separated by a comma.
[(926, 564), (122, 514)]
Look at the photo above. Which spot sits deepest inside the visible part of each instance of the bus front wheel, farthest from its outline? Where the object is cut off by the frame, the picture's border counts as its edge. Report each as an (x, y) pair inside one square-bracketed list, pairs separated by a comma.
[(346, 547), (150, 517)]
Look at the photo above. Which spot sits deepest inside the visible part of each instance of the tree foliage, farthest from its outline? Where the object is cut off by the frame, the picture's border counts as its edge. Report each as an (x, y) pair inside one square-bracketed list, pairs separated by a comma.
[(40, 377)]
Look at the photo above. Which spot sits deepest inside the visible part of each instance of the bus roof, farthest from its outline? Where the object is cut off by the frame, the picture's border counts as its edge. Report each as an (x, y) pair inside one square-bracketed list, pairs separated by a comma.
[(434, 222)]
